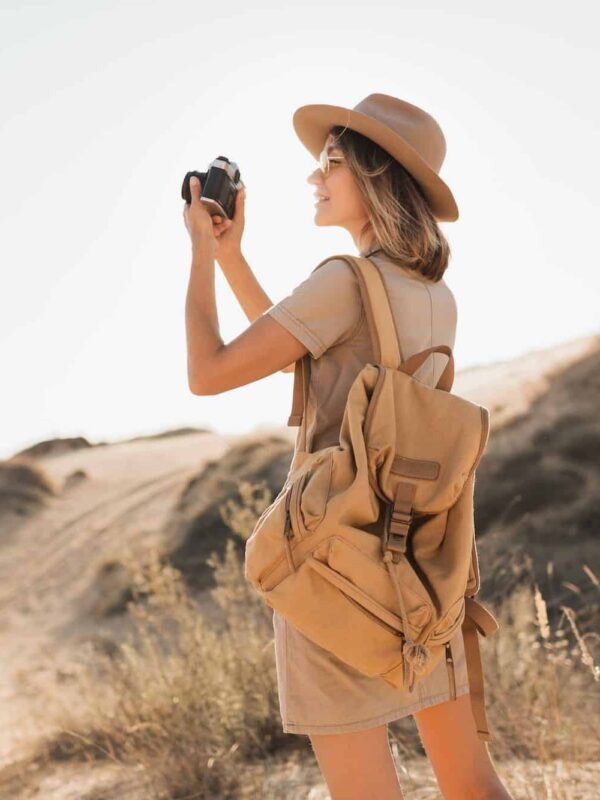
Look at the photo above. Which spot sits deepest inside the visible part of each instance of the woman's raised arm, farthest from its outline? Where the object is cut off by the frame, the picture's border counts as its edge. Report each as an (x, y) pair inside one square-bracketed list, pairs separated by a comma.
[(244, 284), (264, 347)]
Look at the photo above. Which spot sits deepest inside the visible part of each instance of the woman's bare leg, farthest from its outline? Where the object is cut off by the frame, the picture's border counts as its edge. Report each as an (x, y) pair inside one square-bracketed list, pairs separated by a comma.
[(460, 759), (358, 765)]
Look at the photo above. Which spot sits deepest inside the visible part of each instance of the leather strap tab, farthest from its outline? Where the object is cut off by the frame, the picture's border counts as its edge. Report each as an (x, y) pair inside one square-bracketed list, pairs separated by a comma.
[(296, 415), (300, 400), (477, 619), (446, 379), (484, 620)]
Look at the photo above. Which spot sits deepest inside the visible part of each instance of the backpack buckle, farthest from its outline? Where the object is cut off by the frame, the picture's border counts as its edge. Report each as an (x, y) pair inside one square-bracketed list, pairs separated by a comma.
[(395, 532), (398, 520)]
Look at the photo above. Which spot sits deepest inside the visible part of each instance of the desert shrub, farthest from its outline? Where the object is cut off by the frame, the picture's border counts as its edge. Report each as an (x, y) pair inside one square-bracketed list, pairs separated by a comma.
[(183, 700), (542, 682)]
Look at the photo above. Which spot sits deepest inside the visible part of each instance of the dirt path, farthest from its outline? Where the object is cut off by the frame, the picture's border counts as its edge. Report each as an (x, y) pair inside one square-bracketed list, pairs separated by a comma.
[(49, 563)]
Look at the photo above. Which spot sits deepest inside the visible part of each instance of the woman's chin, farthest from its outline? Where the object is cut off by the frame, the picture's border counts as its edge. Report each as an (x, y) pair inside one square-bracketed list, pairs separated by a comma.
[(322, 219)]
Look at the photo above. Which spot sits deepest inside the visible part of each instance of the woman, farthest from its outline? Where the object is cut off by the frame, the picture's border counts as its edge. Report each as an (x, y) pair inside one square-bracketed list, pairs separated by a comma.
[(377, 179)]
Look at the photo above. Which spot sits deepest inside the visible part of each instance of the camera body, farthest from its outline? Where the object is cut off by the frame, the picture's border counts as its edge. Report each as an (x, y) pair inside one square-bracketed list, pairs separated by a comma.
[(220, 185)]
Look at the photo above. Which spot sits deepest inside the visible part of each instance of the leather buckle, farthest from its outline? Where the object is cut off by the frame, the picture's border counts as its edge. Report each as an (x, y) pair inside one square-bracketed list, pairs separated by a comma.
[(398, 519), (399, 522), (395, 532)]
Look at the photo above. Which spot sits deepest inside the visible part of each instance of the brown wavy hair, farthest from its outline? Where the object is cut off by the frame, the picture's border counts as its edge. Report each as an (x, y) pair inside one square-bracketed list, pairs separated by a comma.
[(401, 221)]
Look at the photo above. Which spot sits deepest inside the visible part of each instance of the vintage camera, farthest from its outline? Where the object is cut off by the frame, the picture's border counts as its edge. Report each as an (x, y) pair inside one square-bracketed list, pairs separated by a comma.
[(220, 185)]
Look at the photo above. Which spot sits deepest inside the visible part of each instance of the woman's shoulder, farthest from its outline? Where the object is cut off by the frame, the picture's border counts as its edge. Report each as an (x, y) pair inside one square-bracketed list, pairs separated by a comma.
[(411, 277), (334, 278), (335, 273), (335, 266)]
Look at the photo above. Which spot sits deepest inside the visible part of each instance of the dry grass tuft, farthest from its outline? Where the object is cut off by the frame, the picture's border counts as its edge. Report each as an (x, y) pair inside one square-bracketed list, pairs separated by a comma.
[(24, 477), (25, 488), (184, 702), (541, 684)]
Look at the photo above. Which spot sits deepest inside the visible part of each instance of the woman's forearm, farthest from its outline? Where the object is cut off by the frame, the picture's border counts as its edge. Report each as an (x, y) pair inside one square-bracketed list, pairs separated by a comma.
[(250, 294), (201, 318)]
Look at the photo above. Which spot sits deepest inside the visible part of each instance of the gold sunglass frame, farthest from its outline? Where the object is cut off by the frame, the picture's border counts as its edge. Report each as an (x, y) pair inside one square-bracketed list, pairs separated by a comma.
[(324, 160)]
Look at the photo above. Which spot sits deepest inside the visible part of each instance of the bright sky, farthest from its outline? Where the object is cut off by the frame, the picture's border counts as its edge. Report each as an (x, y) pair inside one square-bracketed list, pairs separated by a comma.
[(106, 105)]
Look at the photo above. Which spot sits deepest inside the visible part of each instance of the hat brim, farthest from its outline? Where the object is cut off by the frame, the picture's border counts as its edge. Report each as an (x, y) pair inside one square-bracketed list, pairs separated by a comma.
[(312, 124)]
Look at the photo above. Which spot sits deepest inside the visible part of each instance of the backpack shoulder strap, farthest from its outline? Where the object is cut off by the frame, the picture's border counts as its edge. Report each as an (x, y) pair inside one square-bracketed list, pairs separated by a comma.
[(382, 329), (386, 343), (384, 336)]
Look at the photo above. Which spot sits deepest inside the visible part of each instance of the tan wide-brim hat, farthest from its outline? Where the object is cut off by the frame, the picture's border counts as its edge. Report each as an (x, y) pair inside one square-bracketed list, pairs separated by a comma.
[(405, 131)]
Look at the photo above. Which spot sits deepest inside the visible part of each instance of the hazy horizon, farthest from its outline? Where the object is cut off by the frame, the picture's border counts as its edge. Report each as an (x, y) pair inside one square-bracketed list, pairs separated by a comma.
[(110, 104)]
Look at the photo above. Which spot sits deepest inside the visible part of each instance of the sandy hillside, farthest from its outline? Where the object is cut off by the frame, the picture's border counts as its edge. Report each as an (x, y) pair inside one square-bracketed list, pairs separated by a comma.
[(121, 494)]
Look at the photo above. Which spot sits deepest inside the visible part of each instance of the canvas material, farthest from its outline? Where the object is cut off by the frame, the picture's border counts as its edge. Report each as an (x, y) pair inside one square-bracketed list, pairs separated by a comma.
[(386, 605)]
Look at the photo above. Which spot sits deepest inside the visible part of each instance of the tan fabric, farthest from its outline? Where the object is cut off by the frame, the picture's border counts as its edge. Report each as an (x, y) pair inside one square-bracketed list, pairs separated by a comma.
[(326, 314), (317, 691)]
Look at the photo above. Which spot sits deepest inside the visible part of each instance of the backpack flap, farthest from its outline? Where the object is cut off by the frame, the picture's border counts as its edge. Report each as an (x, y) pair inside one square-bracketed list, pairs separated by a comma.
[(427, 436), (411, 430)]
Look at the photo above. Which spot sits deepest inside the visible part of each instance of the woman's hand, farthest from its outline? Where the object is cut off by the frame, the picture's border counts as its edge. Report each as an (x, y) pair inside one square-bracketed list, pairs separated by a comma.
[(229, 231), (224, 234)]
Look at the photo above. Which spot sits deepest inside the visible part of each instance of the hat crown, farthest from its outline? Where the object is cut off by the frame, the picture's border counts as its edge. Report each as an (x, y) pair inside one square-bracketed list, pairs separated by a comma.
[(415, 125)]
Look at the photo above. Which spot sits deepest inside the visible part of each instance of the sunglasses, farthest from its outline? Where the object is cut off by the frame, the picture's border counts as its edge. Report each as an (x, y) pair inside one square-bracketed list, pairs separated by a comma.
[(324, 160)]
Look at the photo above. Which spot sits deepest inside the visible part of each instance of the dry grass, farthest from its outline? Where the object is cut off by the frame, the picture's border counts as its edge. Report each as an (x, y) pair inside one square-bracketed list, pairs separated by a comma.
[(543, 697), (194, 707), (25, 488), (24, 477), (543, 683), (186, 703)]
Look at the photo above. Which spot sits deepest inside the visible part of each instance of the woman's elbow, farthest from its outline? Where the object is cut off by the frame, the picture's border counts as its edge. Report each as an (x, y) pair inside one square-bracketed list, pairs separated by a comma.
[(199, 385)]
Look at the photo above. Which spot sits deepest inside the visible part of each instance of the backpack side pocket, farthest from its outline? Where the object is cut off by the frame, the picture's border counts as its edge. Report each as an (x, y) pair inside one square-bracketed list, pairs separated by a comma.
[(313, 494)]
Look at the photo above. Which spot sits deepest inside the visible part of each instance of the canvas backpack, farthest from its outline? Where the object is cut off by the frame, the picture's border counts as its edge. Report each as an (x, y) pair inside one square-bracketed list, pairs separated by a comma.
[(386, 605)]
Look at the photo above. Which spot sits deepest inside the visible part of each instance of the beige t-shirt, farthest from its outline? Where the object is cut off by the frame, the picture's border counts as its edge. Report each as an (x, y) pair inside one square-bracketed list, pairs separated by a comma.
[(325, 312)]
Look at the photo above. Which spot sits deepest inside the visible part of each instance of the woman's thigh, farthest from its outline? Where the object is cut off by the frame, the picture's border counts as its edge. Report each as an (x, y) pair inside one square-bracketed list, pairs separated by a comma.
[(358, 765), (460, 759)]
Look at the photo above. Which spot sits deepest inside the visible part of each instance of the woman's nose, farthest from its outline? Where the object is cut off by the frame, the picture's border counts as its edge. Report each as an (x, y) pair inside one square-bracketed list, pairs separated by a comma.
[(315, 176)]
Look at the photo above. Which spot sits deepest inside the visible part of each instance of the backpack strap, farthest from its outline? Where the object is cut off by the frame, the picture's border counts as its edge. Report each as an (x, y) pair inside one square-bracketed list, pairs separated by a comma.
[(384, 337), (386, 343), (446, 379), (300, 398), (477, 620), (301, 367), (376, 301)]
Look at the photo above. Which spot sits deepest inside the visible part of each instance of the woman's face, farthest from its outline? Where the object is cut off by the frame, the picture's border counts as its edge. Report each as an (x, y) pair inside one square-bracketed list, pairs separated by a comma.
[(344, 205)]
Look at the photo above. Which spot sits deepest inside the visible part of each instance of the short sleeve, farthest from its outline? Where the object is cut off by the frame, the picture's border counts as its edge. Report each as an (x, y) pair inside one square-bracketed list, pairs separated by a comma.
[(323, 310)]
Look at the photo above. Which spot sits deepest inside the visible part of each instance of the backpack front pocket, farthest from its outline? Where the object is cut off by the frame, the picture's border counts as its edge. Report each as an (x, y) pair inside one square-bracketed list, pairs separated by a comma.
[(332, 619), (355, 564), (365, 602), (343, 599)]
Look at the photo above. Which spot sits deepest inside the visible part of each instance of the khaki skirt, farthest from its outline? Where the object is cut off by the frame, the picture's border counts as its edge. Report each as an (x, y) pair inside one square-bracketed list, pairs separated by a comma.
[(319, 693)]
